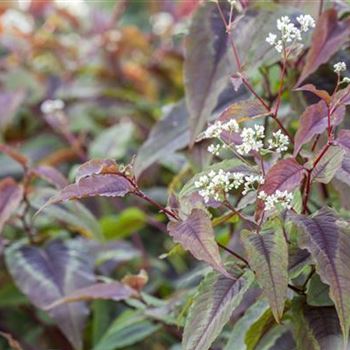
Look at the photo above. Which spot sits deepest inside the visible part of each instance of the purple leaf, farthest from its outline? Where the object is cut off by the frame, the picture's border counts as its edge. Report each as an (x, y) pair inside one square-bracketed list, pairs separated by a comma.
[(327, 239), (108, 291), (50, 273), (50, 175), (108, 185), (328, 37), (196, 235), (322, 94), (314, 121), (268, 257), (11, 195), (285, 175), (96, 167), (243, 110), (216, 299), (343, 139), (207, 65)]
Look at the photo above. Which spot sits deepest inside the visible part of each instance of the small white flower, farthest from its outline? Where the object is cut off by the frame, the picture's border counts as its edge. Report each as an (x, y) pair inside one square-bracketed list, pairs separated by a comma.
[(51, 106), (231, 126), (271, 38), (279, 198), (215, 129), (346, 80), (289, 32), (339, 67), (279, 142), (251, 139), (214, 149), (306, 22)]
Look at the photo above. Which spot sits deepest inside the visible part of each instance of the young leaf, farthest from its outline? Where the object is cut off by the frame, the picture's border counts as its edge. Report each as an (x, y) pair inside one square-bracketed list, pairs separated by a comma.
[(314, 121), (328, 37), (328, 240), (322, 94), (11, 195), (243, 110), (328, 166), (318, 292), (96, 167), (216, 299), (50, 273), (268, 257), (110, 291), (196, 235)]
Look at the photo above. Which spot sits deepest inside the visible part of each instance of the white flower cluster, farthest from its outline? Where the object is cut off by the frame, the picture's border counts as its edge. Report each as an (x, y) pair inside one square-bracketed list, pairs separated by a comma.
[(279, 198), (215, 130), (279, 142), (215, 149), (339, 67), (251, 139), (289, 32), (51, 106), (216, 184)]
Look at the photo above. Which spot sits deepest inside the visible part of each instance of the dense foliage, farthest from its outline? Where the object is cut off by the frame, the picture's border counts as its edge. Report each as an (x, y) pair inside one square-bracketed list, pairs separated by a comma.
[(218, 132)]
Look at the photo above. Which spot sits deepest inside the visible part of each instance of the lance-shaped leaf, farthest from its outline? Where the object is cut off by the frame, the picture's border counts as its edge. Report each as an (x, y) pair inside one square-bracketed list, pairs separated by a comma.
[(196, 235), (10, 102), (109, 185), (207, 65), (328, 37), (328, 240), (108, 291), (268, 257), (329, 164), (216, 299), (314, 121), (50, 273), (11, 195), (315, 328)]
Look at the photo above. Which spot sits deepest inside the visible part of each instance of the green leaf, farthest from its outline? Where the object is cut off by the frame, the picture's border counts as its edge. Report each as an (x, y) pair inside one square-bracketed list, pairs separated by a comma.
[(216, 299), (318, 292), (328, 240), (123, 225), (113, 142), (268, 257), (329, 165), (238, 333), (259, 329), (129, 328)]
